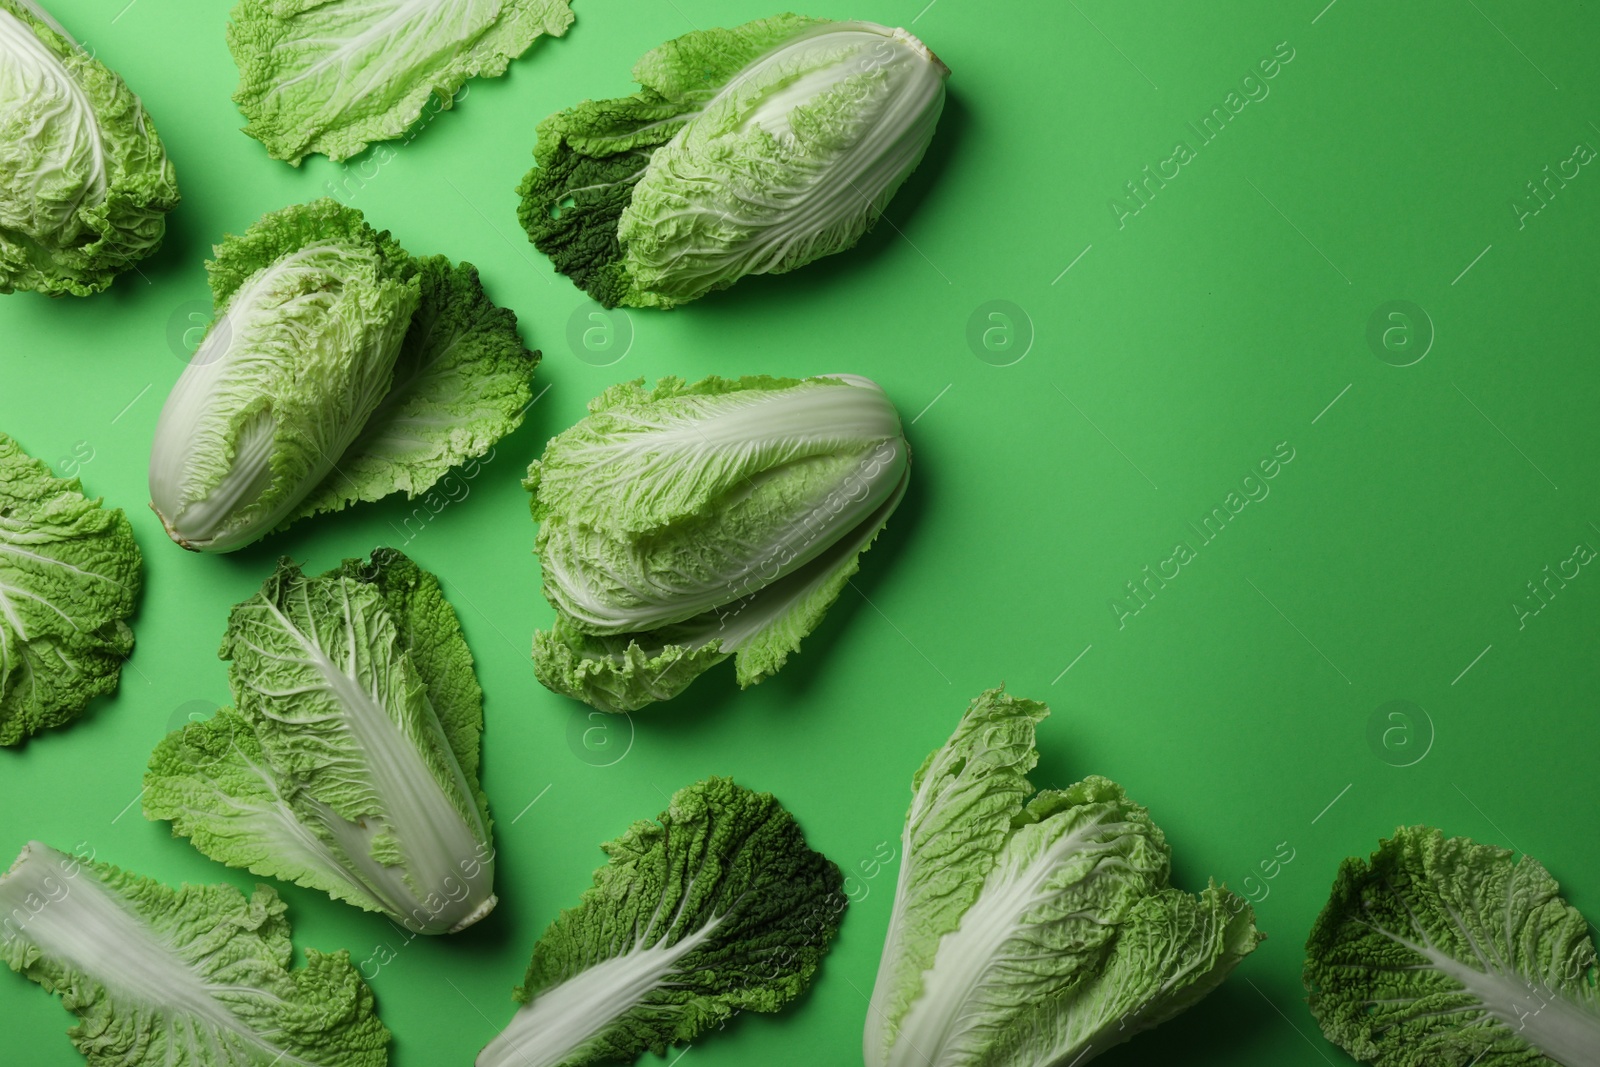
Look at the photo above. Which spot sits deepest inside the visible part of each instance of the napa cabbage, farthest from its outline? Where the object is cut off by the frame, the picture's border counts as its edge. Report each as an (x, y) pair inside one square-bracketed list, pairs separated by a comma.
[(349, 761), (85, 183), (684, 524), (752, 150), (1035, 928), (338, 369)]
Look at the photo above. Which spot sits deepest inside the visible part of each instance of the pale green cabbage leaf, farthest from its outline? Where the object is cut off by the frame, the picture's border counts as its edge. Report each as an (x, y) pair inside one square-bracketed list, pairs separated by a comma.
[(460, 384), (70, 574), (331, 76), (338, 369), (199, 976), (1442, 952), (717, 907), (685, 524), (351, 762), (752, 150), (1035, 929), (85, 183)]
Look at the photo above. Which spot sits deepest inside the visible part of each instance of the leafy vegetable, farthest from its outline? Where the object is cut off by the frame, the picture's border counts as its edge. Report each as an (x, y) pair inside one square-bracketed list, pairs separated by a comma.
[(85, 184), (198, 976), (333, 76), (718, 907), (1035, 929), (460, 384), (688, 523), (69, 576), (1440, 950), (351, 764), (339, 369), (753, 150)]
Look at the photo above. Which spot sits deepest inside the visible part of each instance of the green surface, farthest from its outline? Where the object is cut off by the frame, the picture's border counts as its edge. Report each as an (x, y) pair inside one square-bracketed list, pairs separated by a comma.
[(1178, 351)]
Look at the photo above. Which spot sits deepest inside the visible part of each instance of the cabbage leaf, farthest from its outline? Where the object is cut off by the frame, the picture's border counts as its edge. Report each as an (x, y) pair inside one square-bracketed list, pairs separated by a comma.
[(85, 183), (70, 573), (717, 907), (351, 762), (331, 76), (1035, 929), (460, 383), (751, 150), (200, 975), (1441, 950)]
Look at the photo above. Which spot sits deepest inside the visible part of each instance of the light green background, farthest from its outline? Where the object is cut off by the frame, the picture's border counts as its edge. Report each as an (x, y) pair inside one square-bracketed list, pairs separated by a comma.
[(1178, 350)]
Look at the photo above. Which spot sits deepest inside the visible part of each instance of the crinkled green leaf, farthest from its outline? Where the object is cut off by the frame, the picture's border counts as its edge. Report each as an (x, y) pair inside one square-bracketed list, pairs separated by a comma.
[(963, 800), (629, 672), (331, 76), (351, 764), (718, 907), (70, 573), (749, 151), (199, 976), (781, 615), (430, 633), (461, 383), (339, 370), (218, 788), (313, 305), (85, 184), (590, 157), (618, 674), (1035, 929), (1174, 945), (1441, 952), (727, 511)]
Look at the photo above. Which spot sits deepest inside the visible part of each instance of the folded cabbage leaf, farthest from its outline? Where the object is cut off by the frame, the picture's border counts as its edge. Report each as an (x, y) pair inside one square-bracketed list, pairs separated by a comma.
[(1035, 929), (351, 764), (751, 150)]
